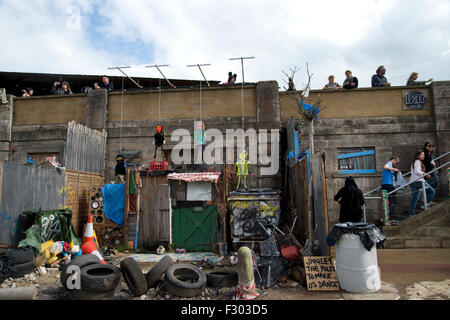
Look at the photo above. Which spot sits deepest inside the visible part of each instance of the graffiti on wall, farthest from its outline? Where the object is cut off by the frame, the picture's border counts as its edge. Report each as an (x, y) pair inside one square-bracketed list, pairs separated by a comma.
[(69, 192), (247, 215), (6, 222), (415, 100)]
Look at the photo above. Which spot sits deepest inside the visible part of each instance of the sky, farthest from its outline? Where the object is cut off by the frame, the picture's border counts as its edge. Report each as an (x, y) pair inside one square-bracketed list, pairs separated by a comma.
[(88, 37)]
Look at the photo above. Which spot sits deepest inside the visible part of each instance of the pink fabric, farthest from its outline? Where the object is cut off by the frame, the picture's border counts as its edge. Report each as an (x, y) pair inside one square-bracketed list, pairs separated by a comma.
[(195, 176)]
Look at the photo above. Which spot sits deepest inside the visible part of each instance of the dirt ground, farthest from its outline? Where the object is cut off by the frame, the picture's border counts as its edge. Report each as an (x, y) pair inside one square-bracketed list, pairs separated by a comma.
[(393, 287)]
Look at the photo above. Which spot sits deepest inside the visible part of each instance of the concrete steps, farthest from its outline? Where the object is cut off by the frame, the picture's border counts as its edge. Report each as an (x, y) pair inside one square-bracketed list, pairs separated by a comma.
[(428, 229), (416, 242)]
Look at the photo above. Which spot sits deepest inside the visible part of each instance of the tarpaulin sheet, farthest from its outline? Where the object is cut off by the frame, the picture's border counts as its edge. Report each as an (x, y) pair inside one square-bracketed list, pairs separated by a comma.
[(198, 191), (368, 233), (195, 176), (114, 202)]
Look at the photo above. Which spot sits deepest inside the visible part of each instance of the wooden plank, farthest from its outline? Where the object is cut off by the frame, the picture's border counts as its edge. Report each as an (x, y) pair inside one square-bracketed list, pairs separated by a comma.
[(320, 273), (325, 203), (165, 213), (320, 228)]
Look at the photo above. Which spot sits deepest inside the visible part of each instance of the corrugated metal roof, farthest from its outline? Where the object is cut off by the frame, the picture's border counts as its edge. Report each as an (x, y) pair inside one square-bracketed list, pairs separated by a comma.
[(43, 75)]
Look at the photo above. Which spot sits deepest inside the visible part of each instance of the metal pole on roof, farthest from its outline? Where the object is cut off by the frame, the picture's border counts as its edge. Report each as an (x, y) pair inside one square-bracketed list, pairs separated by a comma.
[(242, 65), (158, 66), (201, 71), (126, 67), (242, 87), (199, 67)]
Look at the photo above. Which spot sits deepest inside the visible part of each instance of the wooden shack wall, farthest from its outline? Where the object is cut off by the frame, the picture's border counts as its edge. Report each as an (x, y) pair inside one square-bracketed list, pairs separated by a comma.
[(154, 219), (78, 186)]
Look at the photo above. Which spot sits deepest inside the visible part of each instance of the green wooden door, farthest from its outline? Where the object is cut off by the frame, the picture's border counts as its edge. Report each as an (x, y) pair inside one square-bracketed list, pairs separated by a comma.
[(195, 229)]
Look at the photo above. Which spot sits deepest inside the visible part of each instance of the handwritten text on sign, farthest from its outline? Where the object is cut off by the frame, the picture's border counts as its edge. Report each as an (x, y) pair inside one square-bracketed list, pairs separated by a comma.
[(320, 273)]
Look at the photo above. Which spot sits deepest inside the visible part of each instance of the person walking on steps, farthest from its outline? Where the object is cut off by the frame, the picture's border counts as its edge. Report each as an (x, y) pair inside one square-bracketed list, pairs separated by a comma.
[(429, 164), (387, 181), (351, 199), (417, 179)]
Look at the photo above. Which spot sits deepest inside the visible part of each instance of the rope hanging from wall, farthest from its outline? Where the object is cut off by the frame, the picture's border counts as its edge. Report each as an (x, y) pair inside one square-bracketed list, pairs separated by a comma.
[(159, 102), (242, 106), (121, 114)]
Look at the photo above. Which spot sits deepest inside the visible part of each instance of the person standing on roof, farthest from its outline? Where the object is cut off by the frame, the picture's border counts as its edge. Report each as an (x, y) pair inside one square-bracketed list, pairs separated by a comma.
[(387, 181), (378, 79), (351, 198)]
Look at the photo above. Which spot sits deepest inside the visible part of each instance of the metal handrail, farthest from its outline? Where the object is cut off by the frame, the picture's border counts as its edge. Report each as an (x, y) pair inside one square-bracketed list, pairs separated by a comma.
[(407, 184), (409, 172)]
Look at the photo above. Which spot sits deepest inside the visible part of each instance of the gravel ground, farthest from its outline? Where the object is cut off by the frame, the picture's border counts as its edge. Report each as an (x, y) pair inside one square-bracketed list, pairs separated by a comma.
[(50, 288)]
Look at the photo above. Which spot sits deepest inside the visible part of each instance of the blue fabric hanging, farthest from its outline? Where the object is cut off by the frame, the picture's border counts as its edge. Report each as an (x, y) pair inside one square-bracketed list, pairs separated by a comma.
[(114, 202)]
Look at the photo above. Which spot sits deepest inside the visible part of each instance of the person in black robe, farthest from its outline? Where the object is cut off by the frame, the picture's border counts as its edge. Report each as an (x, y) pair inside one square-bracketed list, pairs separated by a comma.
[(351, 199)]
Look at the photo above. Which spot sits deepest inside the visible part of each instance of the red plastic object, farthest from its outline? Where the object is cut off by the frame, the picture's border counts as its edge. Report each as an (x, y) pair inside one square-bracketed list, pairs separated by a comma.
[(290, 252), (158, 165)]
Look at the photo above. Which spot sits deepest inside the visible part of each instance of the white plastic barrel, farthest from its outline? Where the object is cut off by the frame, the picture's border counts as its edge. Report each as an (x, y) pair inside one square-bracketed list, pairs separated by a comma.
[(356, 268)]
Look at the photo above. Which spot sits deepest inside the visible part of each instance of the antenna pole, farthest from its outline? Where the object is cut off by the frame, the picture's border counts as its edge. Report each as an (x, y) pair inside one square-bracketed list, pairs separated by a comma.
[(126, 67)]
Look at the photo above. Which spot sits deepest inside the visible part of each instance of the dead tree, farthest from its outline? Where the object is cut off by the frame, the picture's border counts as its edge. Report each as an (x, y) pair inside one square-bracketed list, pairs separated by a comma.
[(309, 114)]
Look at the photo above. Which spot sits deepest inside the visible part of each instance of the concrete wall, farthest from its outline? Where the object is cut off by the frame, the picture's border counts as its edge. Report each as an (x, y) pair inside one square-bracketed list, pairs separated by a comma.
[(359, 103), (49, 109), (374, 118), (362, 117)]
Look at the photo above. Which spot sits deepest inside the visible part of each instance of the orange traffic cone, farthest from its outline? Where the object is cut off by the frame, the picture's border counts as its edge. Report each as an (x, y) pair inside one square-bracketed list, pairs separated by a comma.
[(89, 234), (90, 247)]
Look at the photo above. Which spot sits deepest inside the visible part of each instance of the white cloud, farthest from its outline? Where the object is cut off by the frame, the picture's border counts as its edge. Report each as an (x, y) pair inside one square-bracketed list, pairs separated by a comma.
[(331, 35)]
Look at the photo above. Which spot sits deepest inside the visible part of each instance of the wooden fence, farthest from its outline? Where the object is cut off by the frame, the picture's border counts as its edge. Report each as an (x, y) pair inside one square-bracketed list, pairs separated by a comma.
[(77, 191)]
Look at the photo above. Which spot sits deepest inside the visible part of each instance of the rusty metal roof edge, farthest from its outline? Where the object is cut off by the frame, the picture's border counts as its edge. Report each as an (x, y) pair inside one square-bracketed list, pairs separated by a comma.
[(89, 75)]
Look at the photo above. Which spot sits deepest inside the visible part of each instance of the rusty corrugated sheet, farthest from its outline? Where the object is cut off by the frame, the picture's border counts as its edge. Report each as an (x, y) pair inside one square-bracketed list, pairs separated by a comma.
[(154, 222), (26, 188), (85, 149)]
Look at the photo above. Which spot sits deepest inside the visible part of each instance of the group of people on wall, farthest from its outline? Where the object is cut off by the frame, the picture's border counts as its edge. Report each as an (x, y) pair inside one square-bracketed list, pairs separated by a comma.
[(351, 198), (63, 87), (378, 80)]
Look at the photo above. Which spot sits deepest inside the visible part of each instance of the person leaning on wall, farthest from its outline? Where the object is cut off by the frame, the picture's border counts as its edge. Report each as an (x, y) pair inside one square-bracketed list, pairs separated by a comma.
[(28, 92), (378, 79), (412, 80), (331, 84), (350, 81), (61, 88), (106, 84)]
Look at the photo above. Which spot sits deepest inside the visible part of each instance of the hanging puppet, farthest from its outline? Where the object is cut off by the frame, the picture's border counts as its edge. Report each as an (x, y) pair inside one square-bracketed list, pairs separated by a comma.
[(199, 133), (159, 139), (120, 166), (120, 169), (242, 168)]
